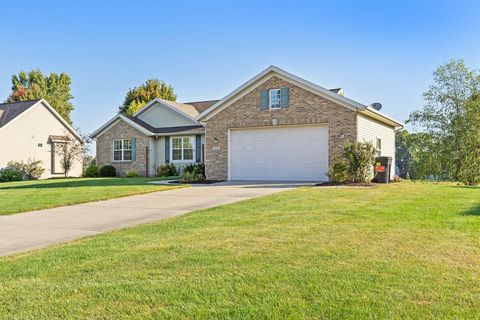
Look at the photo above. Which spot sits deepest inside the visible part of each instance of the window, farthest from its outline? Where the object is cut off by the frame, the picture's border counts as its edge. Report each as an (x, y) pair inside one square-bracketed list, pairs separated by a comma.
[(40, 145), (182, 149), (379, 147), (274, 99), (122, 150)]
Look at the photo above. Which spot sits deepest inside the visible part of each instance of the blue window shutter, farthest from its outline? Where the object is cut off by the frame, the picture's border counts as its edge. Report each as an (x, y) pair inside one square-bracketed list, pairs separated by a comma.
[(167, 149), (264, 98), (284, 97), (134, 149), (198, 148)]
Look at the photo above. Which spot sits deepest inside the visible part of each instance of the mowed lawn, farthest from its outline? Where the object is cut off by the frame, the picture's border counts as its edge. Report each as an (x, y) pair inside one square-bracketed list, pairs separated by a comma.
[(23, 196), (397, 251)]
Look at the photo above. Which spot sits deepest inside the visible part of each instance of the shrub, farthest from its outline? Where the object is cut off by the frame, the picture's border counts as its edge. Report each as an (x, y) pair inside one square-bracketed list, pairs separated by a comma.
[(32, 169), (197, 168), (360, 158), (355, 165), (131, 174), (10, 174), (338, 170), (91, 171), (192, 177), (107, 171), (167, 170)]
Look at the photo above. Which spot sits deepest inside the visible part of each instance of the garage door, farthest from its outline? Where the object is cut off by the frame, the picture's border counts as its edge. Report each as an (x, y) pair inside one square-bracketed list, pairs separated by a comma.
[(280, 153)]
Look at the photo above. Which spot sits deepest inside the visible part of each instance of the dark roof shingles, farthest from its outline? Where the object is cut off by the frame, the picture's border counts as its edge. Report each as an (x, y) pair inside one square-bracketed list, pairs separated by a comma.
[(11, 110), (164, 130)]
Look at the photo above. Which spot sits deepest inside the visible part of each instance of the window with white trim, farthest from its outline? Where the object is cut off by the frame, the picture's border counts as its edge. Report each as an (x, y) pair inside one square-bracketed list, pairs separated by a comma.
[(122, 150), (182, 149), (378, 146), (274, 98)]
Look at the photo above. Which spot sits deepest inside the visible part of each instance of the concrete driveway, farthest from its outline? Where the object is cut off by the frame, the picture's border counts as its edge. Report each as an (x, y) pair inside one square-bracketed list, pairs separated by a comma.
[(36, 229)]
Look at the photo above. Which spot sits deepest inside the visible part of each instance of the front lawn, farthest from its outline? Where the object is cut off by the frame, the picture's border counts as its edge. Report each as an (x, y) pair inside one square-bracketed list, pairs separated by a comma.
[(394, 251), (41, 194)]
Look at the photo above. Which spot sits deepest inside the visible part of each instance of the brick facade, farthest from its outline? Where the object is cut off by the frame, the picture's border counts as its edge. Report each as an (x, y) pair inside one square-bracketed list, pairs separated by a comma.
[(304, 108), (121, 130)]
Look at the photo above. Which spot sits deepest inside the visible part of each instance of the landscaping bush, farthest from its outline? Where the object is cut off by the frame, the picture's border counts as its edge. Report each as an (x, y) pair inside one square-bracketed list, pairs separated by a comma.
[(11, 174), (193, 172), (107, 171), (197, 168), (358, 159), (131, 174), (192, 177), (91, 171), (167, 170), (32, 169), (338, 170)]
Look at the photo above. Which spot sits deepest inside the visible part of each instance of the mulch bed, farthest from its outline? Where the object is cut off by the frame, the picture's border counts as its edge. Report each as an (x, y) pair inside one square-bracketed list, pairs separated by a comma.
[(345, 184), (197, 182)]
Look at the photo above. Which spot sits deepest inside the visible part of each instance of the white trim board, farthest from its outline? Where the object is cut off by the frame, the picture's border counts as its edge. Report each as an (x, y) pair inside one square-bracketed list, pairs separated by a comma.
[(114, 121), (304, 84), (165, 104)]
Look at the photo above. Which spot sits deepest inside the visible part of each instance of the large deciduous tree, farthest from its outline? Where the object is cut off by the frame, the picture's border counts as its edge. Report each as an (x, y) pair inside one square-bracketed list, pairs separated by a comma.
[(469, 170), (139, 96), (444, 118), (55, 88)]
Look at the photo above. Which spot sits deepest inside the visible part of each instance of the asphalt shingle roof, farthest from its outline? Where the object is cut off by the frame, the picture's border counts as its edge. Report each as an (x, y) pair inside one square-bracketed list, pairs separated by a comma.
[(201, 106), (11, 110), (164, 130)]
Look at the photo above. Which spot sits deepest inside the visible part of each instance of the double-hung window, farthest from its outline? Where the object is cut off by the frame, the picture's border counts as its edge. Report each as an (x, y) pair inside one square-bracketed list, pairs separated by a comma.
[(379, 147), (122, 150), (182, 149), (274, 99)]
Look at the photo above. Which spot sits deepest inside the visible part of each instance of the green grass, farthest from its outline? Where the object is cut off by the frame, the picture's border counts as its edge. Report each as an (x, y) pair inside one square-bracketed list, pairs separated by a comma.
[(400, 251), (24, 196)]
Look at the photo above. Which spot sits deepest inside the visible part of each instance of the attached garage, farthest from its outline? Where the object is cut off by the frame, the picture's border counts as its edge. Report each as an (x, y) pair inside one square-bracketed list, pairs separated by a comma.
[(289, 153)]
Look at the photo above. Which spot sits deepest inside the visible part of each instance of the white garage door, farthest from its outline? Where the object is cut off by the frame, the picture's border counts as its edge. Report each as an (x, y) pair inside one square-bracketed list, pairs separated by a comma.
[(280, 153)]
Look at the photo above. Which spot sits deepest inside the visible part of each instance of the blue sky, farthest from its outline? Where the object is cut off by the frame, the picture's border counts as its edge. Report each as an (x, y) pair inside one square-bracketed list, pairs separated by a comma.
[(381, 51)]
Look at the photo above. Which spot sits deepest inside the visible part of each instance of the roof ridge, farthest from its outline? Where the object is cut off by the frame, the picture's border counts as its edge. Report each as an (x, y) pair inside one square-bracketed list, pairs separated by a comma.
[(31, 100), (201, 101)]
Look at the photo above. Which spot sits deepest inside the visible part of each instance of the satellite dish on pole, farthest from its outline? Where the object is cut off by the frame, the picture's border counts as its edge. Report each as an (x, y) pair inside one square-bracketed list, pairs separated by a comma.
[(376, 105)]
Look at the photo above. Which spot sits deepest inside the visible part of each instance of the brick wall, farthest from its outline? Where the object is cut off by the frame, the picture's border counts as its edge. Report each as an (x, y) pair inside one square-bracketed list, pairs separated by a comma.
[(304, 108), (121, 130)]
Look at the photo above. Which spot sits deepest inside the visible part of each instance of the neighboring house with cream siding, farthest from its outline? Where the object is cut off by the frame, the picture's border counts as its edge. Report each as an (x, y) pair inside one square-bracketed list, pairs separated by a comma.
[(31, 130), (276, 126)]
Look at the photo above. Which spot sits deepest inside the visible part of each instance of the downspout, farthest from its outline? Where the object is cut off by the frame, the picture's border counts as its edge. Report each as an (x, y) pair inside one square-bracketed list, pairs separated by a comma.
[(147, 161)]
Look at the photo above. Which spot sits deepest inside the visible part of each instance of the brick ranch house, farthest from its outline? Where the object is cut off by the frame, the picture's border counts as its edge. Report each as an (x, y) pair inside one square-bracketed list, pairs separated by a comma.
[(276, 126)]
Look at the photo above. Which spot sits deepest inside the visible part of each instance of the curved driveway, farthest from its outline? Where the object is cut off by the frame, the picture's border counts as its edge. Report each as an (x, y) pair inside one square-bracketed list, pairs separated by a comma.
[(36, 229)]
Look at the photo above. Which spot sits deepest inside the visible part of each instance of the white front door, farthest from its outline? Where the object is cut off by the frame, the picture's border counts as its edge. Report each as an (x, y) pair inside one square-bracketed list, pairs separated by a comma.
[(289, 153)]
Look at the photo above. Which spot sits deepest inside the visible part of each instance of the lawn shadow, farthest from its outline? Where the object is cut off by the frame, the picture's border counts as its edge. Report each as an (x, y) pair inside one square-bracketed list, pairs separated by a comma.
[(74, 183), (472, 211), (465, 187)]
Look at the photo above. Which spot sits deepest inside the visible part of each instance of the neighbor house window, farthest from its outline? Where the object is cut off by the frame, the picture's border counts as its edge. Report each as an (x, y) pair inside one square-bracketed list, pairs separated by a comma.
[(182, 148), (122, 150), (274, 99), (379, 147)]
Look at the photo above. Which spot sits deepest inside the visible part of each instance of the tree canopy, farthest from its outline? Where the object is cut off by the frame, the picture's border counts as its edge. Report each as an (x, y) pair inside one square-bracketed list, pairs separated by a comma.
[(55, 88), (448, 120), (139, 96)]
